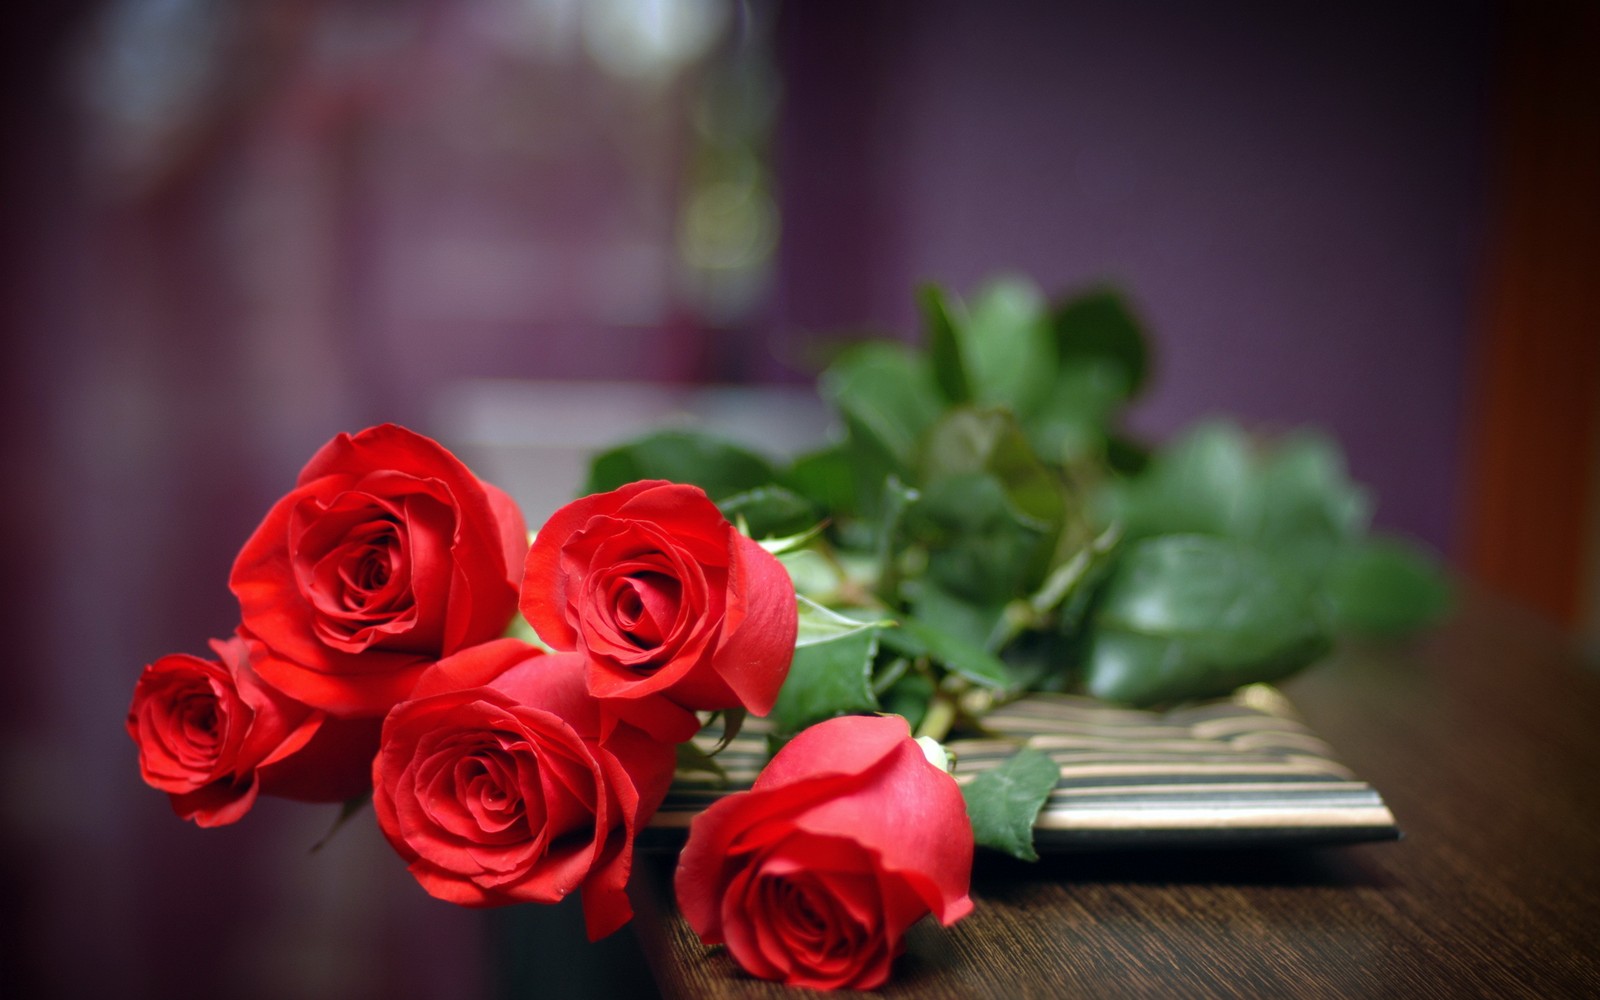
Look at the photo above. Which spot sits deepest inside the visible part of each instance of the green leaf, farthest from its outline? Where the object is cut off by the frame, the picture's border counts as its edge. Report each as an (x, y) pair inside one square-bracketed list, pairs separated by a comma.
[(1099, 326), (977, 624), (888, 391), (944, 344), (979, 546), (770, 511), (827, 678), (968, 441), (915, 637), (886, 536), (908, 697), (1293, 498), (1195, 616), (885, 397), (825, 478), (1073, 423), (719, 467), (1307, 506), (1126, 455), (812, 575), (820, 625), (1006, 346), (790, 544), (1043, 661), (1004, 802), (1385, 586), (1204, 482)]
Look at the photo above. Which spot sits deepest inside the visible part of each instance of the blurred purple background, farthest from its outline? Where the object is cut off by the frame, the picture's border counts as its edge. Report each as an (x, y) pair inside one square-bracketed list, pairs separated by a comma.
[(233, 230)]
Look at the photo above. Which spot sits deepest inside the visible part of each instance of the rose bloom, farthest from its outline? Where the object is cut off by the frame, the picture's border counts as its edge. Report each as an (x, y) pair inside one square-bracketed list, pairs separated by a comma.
[(812, 877), (213, 737), (494, 784), (387, 555), (675, 609)]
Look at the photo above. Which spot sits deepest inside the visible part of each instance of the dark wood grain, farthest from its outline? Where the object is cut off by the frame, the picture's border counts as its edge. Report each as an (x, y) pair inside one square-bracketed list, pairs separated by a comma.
[(1484, 738)]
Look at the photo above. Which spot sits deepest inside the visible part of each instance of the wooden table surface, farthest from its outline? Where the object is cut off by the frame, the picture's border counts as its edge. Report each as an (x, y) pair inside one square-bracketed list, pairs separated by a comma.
[(1484, 739)]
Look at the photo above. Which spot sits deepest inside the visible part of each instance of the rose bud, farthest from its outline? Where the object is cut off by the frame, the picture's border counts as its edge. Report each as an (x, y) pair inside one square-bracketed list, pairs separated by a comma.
[(847, 838), (676, 611), (387, 555), (213, 737), (494, 784)]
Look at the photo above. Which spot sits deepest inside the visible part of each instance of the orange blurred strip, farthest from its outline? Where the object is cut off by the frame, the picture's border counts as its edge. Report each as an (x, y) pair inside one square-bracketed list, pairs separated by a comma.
[(1538, 394)]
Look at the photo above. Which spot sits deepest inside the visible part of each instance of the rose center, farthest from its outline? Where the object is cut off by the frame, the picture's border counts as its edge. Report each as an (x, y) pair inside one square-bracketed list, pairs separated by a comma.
[(368, 566), (486, 790), (644, 607), (199, 715)]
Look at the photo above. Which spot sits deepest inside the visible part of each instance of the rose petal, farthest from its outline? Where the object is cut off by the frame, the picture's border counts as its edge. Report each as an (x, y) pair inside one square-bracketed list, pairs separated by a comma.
[(761, 623), (347, 641), (544, 580)]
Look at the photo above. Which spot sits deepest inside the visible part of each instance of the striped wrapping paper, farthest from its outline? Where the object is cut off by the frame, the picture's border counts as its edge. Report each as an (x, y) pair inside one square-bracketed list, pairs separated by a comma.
[(1236, 772)]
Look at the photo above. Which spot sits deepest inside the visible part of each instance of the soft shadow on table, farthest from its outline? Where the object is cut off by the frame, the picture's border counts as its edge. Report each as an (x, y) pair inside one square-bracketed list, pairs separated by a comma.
[(996, 875)]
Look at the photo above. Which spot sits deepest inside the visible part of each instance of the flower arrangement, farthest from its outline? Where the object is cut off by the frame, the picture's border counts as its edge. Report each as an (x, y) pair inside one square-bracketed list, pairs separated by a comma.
[(516, 711)]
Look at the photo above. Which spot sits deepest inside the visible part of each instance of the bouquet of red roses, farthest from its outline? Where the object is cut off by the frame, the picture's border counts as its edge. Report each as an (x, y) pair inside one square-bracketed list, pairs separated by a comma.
[(982, 527), (373, 658)]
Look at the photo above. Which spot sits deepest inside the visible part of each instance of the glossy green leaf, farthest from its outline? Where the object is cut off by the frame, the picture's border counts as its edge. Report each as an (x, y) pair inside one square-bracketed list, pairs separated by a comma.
[(1195, 616), (887, 533), (783, 545), (978, 624), (826, 478), (813, 575), (943, 326), (1307, 506), (968, 441), (1043, 661), (1127, 455), (915, 637), (908, 697), (719, 467), (1291, 497), (770, 511), (1074, 421), (978, 546), (1204, 482), (1004, 802), (1006, 346), (887, 393), (1100, 326), (826, 679), (885, 397), (818, 624), (1384, 586)]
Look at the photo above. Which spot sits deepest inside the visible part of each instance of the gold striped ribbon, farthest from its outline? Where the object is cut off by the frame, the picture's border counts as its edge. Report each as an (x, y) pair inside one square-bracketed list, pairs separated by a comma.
[(1242, 771)]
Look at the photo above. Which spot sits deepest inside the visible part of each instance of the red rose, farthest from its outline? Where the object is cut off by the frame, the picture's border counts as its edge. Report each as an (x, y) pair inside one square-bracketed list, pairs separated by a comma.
[(387, 555), (848, 837), (676, 611), (213, 737), (494, 784)]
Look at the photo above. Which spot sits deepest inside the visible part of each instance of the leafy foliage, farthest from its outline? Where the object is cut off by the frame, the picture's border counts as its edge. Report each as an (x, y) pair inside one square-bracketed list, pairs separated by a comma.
[(1005, 801), (983, 525)]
